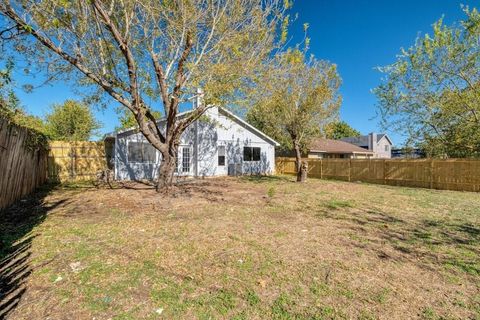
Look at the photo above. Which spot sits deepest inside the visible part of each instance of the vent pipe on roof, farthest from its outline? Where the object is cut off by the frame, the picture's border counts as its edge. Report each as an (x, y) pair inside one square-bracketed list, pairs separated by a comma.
[(199, 98)]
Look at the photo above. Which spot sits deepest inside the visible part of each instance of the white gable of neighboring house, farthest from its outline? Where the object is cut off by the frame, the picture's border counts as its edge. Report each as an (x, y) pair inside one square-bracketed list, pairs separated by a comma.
[(214, 145), (383, 148)]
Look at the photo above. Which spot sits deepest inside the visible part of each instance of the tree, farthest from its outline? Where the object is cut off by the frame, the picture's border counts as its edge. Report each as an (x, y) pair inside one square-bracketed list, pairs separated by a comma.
[(10, 106), (71, 121), (431, 93), (295, 97), (340, 129), (127, 119), (8, 100), (159, 51)]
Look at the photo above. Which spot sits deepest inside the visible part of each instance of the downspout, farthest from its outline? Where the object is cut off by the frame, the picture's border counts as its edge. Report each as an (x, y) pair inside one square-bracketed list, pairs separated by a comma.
[(195, 143), (195, 146), (115, 157)]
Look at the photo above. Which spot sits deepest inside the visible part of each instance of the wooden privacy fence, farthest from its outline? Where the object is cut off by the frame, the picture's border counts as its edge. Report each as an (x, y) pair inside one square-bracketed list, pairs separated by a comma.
[(450, 174), (23, 164), (77, 160)]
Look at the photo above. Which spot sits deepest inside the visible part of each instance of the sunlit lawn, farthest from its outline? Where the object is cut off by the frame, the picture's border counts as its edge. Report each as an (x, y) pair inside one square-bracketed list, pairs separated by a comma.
[(253, 248)]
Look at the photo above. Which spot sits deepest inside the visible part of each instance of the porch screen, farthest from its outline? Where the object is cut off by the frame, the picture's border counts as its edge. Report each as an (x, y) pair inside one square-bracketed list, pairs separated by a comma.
[(142, 152)]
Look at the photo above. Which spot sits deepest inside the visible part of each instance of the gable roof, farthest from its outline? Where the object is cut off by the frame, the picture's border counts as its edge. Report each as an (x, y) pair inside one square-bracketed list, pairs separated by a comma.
[(335, 146), (248, 125), (358, 141), (381, 135), (222, 110), (363, 140)]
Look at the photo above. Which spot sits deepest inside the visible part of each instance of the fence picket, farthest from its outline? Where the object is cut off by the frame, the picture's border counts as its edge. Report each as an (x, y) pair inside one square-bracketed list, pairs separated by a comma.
[(21, 168), (77, 160), (450, 174)]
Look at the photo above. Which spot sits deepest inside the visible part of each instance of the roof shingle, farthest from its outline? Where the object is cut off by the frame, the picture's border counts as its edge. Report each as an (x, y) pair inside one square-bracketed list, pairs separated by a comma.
[(334, 146)]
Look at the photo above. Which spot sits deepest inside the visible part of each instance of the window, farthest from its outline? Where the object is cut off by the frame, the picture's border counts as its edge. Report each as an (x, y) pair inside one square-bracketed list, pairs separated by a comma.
[(185, 159), (256, 154), (387, 147), (221, 155), (251, 154), (141, 152)]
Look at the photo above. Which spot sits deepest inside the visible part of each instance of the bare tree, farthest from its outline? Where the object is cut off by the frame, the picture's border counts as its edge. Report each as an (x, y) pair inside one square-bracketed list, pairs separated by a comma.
[(141, 52)]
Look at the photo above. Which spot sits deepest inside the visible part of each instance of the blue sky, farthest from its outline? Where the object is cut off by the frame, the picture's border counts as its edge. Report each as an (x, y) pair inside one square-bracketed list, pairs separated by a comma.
[(357, 35)]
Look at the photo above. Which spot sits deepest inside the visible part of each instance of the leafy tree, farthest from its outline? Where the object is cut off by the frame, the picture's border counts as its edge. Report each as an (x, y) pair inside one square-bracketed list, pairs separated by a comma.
[(127, 119), (8, 99), (432, 92), (10, 106), (71, 121), (340, 129), (294, 98), (141, 51)]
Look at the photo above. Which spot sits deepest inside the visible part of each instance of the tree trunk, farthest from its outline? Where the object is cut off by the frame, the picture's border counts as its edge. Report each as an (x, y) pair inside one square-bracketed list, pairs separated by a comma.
[(166, 170), (300, 167), (302, 175)]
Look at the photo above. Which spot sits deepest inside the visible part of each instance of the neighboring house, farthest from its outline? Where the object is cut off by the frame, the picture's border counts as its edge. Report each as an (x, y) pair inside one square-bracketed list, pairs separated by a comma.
[(328, 148), (217, 144), (408, 153), (380, 144)]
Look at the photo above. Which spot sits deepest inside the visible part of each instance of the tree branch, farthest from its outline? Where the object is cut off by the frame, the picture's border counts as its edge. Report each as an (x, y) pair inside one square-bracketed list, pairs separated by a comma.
[(22, 25)]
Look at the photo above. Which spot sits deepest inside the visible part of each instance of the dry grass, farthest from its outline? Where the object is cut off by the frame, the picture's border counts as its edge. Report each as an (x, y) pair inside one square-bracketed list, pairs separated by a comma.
[(254, 248)]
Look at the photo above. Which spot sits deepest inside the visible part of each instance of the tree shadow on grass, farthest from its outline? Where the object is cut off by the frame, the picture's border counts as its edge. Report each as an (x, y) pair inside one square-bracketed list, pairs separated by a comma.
[(426, 242), (16, 224)]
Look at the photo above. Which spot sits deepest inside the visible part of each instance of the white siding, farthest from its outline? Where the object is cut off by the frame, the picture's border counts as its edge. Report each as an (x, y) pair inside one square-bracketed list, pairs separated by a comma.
[(380, 150), (216, 128)]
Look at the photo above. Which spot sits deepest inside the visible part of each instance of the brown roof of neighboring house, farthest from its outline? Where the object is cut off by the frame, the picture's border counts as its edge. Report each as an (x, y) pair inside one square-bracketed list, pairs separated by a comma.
[(335, 146)]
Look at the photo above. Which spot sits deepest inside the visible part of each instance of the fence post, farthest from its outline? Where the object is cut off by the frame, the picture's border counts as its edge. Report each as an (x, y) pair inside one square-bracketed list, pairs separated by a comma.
[(350, 170), (431, 173), (384, 171), (321, 168)]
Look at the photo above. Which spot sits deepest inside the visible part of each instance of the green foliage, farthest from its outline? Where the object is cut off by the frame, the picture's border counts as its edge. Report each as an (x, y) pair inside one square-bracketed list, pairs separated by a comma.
[(127, 119), (11, 109), (339, 130), (226, 45), (337, 204), (149, 53), (294, 98), (431, 93), (71, 121), (271, 192)]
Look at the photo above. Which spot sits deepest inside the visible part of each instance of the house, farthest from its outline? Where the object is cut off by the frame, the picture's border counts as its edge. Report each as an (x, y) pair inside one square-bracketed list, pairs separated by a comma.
[(408, 153), (380, 144), (219, 143), (328, 148)]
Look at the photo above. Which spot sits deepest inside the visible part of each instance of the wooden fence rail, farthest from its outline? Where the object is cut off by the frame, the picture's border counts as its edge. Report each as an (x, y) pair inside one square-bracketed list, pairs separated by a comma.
[(450, 174), (23, 167), (77, 160)]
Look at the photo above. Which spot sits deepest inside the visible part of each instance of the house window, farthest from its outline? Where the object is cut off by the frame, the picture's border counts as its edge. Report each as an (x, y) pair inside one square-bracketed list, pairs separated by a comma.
[(387, 147), (251, 154), (141, 152), (221, 155), (186, 160)]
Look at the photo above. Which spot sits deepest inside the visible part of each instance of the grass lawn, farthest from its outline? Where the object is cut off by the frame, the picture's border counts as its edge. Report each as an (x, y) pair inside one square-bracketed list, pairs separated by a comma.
[(249, 248)]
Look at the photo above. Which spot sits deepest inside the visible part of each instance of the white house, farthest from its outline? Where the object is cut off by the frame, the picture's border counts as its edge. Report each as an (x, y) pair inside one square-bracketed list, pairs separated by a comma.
[(380, 144), (220, 143)]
